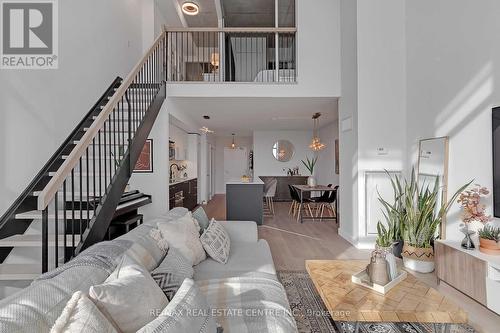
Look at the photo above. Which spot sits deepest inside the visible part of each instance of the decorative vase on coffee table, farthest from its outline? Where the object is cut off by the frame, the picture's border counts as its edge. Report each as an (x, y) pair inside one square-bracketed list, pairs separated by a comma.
[(311, 181), (467, 242)]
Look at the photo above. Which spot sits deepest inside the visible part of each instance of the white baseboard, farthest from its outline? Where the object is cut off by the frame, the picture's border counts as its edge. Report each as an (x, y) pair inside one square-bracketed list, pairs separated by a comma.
[(360, 243)]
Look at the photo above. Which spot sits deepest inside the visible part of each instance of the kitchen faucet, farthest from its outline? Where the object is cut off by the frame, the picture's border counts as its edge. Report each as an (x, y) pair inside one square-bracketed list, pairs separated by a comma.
[(172, 172)]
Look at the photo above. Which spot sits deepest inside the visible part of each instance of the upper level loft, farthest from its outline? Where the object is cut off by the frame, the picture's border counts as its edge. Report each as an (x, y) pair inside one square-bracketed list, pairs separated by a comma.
[(260, 48), (234, 41), (232, 55)]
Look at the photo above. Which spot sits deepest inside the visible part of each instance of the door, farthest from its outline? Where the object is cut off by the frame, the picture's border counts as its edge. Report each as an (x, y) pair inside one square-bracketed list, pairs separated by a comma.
[(212, 174), (210, 171), (235, 164)]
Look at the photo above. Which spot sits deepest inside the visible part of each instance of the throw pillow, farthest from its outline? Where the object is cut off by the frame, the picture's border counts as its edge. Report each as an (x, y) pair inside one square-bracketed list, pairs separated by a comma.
[(201, 216), (129, 296), (187, 312), (82, 315), (170, 274), (183, 236), (216, 242)]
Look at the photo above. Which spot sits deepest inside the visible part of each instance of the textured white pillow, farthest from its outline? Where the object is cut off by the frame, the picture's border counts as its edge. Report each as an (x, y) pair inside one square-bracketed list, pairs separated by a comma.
[(216, 242), (129, 296), (183, 235), (82, 315), (188, 312)]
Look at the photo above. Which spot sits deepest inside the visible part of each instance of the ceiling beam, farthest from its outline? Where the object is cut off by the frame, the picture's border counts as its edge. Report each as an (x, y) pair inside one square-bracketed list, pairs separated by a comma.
[(178, 8), (220, 14)]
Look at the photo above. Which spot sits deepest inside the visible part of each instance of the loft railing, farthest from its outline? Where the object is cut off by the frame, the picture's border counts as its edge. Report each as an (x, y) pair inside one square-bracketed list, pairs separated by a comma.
[(232, 55), (88, 186)]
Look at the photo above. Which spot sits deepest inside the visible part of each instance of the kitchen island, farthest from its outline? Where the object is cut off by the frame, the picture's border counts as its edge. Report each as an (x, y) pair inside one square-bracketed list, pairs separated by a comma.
[(244, 201)]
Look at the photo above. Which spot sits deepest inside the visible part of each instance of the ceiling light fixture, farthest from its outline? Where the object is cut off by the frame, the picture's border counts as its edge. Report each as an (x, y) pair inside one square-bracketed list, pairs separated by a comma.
[(190, 8), (316, 144), (206, 130), (233, 145)]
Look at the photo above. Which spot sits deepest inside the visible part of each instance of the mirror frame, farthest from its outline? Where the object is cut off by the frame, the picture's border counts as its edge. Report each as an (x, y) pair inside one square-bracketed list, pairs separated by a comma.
[(292, 154), (444, 189)]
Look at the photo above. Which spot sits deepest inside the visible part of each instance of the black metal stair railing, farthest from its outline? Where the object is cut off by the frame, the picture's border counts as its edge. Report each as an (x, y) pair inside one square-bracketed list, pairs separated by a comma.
[(80, 199), (10, 224)]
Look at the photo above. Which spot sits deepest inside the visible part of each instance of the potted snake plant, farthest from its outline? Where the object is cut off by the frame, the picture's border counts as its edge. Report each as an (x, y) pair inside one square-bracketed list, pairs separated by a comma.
[(389, 233), (423, 215)]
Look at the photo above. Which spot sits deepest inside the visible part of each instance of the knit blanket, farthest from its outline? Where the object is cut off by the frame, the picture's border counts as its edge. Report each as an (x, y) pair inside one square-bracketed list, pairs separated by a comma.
[(102, 256), (249, 304)]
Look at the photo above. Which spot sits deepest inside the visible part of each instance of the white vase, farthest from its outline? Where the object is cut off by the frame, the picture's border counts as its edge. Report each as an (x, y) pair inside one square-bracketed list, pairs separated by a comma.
[(311, 181)]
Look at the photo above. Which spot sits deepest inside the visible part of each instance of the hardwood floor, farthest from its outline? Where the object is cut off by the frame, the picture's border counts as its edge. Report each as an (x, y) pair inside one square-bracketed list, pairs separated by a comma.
[(293, 243)]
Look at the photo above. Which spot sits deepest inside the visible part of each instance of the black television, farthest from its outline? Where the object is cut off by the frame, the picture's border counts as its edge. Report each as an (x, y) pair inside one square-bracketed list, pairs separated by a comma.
[(496, 160)]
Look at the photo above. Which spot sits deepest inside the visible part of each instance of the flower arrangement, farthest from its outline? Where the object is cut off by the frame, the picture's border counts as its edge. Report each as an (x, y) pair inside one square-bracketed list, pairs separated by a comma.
[(472, 208)]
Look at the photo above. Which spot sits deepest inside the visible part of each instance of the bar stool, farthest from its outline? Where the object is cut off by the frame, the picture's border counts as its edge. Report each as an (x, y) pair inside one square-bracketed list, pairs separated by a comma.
[(270, 193)]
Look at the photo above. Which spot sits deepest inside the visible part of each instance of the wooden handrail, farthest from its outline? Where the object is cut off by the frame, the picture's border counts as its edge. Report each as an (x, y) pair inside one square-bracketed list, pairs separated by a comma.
[(240, 30), (55, 183)]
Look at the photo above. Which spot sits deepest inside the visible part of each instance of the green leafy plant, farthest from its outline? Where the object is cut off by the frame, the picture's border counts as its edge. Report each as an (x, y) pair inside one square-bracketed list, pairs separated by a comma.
[(414, 214), (394, 214), (422, 214), (490, 232), (310, 164)]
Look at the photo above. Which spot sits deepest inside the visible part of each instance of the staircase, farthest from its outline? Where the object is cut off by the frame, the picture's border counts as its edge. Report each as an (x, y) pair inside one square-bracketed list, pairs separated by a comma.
[(70, 203)]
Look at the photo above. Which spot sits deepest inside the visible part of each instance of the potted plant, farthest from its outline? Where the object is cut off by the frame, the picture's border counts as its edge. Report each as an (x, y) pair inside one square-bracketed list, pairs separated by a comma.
[(489, 240), (394, 215), (422, 217), (311, 181), (472, 210)]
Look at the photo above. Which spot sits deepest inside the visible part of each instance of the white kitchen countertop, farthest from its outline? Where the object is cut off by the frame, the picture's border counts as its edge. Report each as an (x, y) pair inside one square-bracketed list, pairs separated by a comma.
[(257, 181), (182, 180)]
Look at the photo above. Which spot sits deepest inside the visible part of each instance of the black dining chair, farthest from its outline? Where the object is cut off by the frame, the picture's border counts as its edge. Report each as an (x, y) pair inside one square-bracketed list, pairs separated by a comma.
[(299, 204), (329, 203)]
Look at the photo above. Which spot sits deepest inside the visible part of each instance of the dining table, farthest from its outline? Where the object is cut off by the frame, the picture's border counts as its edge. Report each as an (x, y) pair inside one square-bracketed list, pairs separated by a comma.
[(309, 189)]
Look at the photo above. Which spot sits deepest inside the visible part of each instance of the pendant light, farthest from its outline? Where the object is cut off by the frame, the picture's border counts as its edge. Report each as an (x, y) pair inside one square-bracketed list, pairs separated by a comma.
[(316, 144), (233, 145)]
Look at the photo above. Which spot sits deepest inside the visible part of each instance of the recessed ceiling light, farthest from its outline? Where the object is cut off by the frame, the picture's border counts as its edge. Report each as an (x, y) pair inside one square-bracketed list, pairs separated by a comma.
[(190, 8)]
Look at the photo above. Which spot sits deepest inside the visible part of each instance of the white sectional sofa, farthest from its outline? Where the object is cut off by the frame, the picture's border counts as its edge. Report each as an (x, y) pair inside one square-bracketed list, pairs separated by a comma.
[(245, 291)]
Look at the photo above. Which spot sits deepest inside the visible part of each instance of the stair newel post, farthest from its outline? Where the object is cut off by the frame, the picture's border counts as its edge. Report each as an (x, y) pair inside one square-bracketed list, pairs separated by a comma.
[(65, 245), (45, 240), (129, 130), (56, 230)]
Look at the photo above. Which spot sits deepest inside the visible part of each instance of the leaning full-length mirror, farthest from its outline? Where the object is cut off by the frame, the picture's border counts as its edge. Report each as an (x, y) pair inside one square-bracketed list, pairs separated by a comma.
[(432, 166)]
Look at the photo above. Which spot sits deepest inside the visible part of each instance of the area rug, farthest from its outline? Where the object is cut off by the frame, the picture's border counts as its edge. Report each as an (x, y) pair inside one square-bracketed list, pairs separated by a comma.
[(312, 316)]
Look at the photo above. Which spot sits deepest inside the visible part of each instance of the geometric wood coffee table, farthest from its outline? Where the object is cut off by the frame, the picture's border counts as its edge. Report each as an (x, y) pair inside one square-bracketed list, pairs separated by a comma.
[(409, 301)]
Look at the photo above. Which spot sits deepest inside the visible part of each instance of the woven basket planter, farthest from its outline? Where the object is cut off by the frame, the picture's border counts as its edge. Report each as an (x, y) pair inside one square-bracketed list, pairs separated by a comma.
[(418, 259)]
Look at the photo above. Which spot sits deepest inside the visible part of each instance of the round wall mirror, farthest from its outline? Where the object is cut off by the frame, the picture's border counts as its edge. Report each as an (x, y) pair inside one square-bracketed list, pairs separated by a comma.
[(283, 150)]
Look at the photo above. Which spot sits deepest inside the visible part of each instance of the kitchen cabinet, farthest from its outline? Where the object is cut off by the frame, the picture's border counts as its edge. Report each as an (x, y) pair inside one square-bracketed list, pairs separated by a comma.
[(184, 194)]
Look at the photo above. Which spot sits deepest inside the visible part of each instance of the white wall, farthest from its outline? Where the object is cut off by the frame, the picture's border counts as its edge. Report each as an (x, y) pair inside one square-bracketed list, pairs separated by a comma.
[(348, 124), (453, 68), (156, 183), (318, 60), (325, 167), (222, 142), (377, 79), (39, 108), (264, 162)]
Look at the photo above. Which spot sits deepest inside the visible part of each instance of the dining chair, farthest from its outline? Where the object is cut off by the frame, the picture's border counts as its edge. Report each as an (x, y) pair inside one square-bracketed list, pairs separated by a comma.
[(270, 193), (318, 201), (294, 202), (299, 205), (329, 203)]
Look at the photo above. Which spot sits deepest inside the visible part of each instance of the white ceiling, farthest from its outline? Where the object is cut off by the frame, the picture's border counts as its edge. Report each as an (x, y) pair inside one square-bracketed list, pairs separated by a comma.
[(243, 115)]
